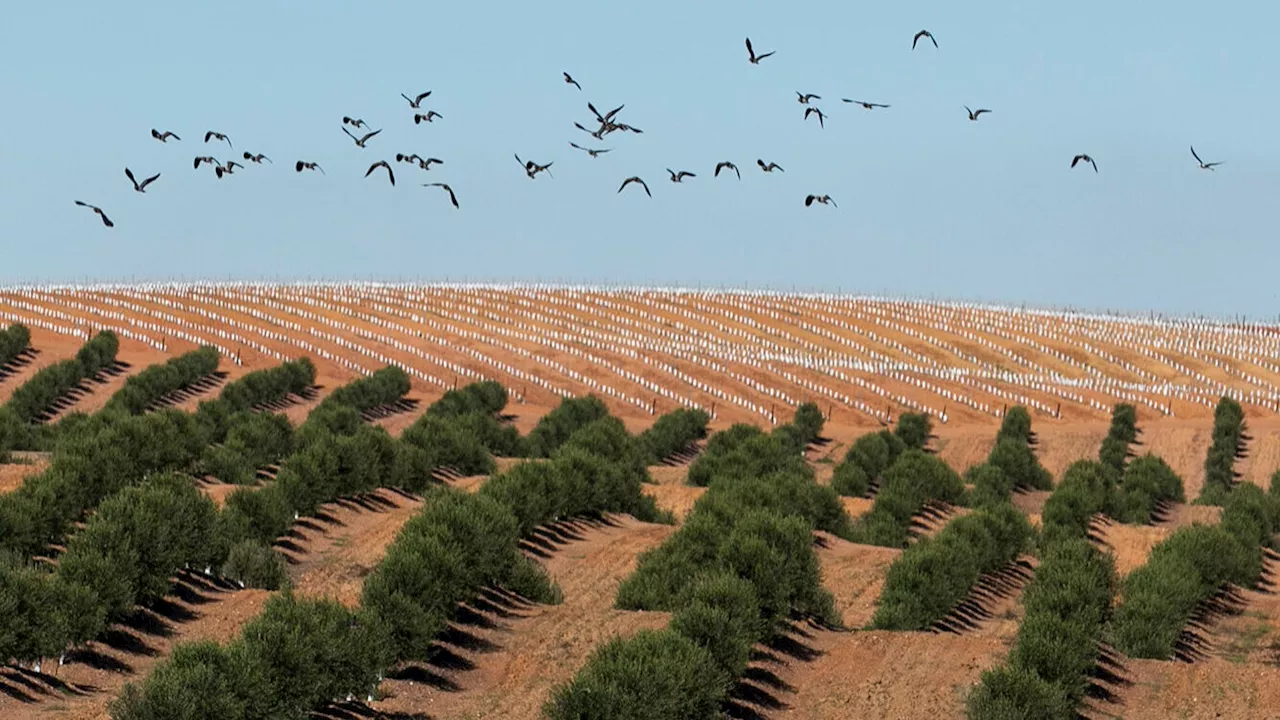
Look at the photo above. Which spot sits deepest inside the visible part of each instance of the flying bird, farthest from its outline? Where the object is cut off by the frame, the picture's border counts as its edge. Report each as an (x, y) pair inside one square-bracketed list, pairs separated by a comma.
[(360, 141), (1203, 165), (805, 98), (1085, 158), (418, 117), (923, 33), (636, 179), (813, 109), (204, 158), (424, 163), (726, 164), (414, 103), (354, 122), (973, 114), (163, 136), (143, 186), (304, 165), (257, 158), (823, 199), (770, 167), (754, 58), (452, 198), (589, 151), (532, 168), (105, 220), (680, 176), (867, 105), (227, 169), (569, 79), (382, 164), (220, 136)]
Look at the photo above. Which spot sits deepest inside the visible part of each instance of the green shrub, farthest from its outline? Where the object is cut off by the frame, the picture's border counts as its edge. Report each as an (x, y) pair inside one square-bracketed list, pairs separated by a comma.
[(1147, 481), (913, 429), (673, 432), (1067, 604), (1019, 463), (914, 479), (850, 480), (808, 421), (450, 443), (256, 566), (1016, 425), (722, 614), (1012, 693), (486, 398), (197, 683), (157, 381), (13, 340), (654, 674), (754, 456), (1185, 569), (1219, 463), (990, 485), (382, 387), (934, 575), (558, 425), (1087, 488)]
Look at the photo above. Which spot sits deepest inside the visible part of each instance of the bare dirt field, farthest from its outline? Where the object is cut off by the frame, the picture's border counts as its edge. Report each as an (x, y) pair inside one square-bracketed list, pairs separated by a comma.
[(743, 358)]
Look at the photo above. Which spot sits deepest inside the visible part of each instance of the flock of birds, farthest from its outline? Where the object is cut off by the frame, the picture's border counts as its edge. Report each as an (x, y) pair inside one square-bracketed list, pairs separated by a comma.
[(607, 124)]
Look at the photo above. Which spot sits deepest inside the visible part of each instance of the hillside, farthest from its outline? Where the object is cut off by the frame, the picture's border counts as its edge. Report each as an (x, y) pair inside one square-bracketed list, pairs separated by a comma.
[(743, 357)]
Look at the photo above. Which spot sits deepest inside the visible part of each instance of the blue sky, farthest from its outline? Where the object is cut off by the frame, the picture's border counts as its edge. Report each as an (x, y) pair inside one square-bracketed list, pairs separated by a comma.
[(930, 204)]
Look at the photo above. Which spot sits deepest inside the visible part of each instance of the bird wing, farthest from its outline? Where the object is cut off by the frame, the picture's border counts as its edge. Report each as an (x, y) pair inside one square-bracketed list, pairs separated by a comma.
[(105, 220), (420, 97), (776, 165), (808, 201), (760, 163), (82, 203), (686, 173), (980, 111), (595, 112), (369, 135), (576, 145), (833, 202), (750, 51), (761, 57), (916, 39), (612, 113), (208, 135), (1194, 155), (298, 166), (406, 97), (1094, 164), (129, 174), (149, 180), (175, 136), (1075, 160), (155, 134), (348, 132), (523, 164), (264, 157)]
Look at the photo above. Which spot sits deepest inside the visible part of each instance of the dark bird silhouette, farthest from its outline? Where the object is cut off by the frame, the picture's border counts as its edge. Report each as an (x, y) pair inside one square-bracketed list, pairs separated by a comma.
[(589, 151), (105, 220), (597, 134), (804, 99), (418, 117), (679, 176), (815, 110), (220, 136), (227, 169), (206, 159), (360, 141), (867, 105), (753, 57), (452, 198), (823, 199), (163, 136), (414, 103), (1203, 165), (304, 165), (532, 168), (354, 122), (636, 179), (568, 79), (140, 187), (382, 164), (627, 128), (257, 158), (726, 164), (424, 163), (1085, 158), (923, 33), (973, 114), (770, 167)]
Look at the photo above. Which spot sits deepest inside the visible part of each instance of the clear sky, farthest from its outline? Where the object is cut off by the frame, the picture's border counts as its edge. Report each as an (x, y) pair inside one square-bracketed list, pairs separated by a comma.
[(930, 204)]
